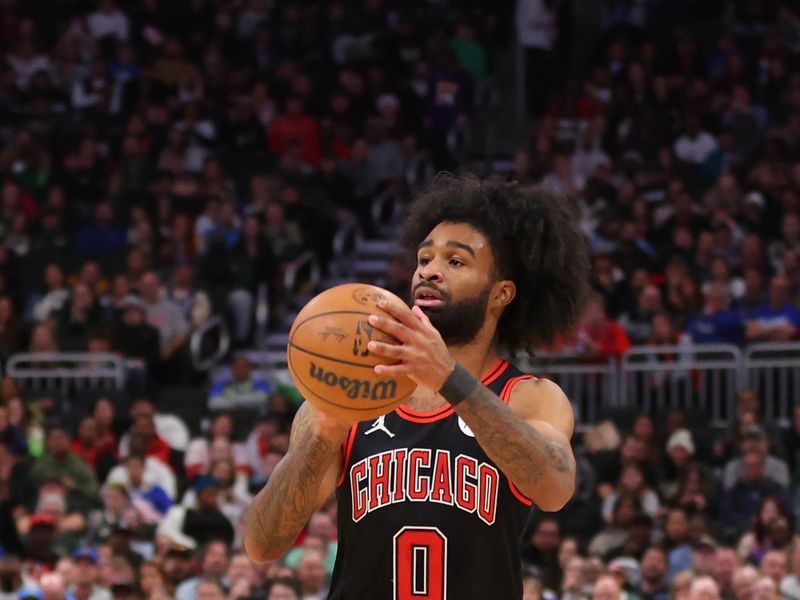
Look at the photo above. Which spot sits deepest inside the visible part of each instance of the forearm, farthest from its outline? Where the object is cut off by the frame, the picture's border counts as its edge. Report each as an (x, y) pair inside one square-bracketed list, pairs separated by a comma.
[(541, 467), (282, 508)]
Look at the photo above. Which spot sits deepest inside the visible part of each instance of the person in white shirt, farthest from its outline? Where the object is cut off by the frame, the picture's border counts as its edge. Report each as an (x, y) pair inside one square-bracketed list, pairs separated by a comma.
[(156, 473), (109, 21), (695, 145), (25, 63)]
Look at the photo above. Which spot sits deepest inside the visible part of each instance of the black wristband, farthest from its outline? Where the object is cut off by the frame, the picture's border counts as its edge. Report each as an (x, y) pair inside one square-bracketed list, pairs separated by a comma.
[(458, 385)]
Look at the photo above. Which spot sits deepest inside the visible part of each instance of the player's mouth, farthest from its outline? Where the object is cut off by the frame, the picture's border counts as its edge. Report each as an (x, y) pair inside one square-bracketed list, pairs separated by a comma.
[(428, 297)]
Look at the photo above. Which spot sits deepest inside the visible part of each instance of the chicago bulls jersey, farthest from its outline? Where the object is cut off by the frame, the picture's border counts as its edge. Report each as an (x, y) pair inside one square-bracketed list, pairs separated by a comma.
[(424, 513)]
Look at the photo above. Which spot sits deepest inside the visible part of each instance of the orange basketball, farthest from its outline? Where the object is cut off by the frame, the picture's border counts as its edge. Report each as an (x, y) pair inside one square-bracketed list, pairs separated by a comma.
[(328, 356)]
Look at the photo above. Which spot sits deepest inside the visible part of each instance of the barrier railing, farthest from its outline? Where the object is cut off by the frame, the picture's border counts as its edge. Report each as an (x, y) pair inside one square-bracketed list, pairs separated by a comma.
[(773, 371), (63, 372), (685, 377), (589, 386), (693, 378)]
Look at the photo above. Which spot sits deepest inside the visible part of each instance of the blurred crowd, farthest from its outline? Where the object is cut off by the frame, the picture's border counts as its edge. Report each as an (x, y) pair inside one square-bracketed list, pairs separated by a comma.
[(161, 159), (678, 148)]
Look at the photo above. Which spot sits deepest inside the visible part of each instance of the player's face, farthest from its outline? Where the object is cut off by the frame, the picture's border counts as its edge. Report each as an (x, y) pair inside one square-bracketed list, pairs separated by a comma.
[(453, 280)]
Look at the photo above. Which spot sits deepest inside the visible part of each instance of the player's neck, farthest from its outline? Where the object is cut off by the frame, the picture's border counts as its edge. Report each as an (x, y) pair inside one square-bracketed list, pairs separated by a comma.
[(477, 356)]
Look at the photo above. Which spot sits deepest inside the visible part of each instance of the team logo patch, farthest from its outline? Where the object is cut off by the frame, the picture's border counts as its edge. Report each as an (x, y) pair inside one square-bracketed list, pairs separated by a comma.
[(465, 428), (379, 425)]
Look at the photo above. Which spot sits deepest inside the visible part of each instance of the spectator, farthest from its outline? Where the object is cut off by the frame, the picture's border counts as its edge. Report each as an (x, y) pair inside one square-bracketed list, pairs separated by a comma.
[(754, 439), (61, 464), (194, 303), (296, 128), (165, 316), (87, 577), (776, 320), (607, 588), (744, 579), (542, 551), (704, 588), (154, 474), (322, 528), (597, 335), (88, 446), (207, 522), (726, 562), (790, 585), (55, 296), (198, 455), (134, 337), (168, 427), (79, 315), (717, 324), (233, 497), (770, 530), (152, 580), (654, 584), (773, 565), (743, 500), (311, 576), (631, 484), (284, 588), (214, 560), (241, 391)]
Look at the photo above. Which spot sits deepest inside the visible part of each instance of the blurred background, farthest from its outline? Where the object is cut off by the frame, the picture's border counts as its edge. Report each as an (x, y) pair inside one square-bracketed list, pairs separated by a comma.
[(178, 177)]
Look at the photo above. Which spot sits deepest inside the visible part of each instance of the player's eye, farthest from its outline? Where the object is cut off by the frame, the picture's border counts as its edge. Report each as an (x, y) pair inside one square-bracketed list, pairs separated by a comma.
[(454, 262), (423, 260)]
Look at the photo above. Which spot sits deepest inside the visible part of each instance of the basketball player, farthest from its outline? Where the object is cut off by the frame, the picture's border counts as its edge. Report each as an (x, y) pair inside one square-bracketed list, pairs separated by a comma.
[(433, 497)]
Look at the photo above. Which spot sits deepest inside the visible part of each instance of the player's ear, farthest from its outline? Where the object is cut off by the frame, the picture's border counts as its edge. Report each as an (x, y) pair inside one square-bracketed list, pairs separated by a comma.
[(503, 292)]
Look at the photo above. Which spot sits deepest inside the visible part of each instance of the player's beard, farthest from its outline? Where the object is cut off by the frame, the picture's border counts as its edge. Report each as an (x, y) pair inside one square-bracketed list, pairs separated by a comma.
[(459, 322)]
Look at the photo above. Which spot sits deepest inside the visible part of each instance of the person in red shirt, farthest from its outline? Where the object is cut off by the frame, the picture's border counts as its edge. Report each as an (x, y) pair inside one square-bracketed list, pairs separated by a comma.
[(296, 127), (599, 335), (145, 427)]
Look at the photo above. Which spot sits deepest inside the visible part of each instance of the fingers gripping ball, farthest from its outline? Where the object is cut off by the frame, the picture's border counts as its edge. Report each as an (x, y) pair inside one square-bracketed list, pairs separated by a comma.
[(328, 356)]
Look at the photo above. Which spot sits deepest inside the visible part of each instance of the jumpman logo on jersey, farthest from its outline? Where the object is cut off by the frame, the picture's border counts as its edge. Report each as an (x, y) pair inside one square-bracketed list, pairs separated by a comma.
[(379, 425), (465, 428)]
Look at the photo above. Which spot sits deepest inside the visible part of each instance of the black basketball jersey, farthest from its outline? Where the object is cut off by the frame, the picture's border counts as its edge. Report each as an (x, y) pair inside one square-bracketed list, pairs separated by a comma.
[(424, 513)]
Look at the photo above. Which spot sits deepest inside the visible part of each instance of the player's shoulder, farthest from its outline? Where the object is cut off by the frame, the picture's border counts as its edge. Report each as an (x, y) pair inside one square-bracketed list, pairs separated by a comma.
[(537, 398), (536, 388)]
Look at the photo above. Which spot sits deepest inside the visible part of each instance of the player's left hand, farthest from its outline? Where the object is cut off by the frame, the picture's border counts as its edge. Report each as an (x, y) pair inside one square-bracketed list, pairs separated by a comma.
[(422, 354)]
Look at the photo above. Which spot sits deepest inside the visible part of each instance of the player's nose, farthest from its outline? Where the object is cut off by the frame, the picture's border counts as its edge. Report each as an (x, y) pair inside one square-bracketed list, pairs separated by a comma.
[(431, 271)]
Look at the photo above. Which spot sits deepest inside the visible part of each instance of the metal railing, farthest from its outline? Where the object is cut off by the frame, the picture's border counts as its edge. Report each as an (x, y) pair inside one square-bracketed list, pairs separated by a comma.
[(589, 386), (63, 372), (705, 377), (772, 370)]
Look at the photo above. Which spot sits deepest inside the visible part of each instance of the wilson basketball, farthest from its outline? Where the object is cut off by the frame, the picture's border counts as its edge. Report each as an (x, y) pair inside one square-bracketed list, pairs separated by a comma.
[(328, 356)]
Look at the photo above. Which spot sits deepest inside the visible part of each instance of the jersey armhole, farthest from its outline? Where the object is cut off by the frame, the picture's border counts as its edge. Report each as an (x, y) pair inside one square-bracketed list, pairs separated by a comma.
[(505, 396), (347, 448)]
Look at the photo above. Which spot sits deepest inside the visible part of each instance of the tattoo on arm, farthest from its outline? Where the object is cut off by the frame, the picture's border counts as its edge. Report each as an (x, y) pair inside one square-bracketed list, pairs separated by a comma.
[(520, 450), (282, 508)]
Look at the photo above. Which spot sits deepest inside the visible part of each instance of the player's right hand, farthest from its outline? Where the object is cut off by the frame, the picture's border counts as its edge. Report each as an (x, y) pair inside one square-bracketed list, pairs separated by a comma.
[(330, 427)]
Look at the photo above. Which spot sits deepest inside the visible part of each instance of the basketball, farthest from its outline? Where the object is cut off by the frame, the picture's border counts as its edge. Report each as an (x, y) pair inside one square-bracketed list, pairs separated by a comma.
[(328, 356)]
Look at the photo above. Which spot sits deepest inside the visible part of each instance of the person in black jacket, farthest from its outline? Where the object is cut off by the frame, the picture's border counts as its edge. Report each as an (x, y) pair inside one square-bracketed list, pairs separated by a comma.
[(134, 337), (207, 522)]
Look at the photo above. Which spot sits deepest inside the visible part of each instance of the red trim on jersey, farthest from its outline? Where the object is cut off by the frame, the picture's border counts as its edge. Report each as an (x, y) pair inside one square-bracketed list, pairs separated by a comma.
[(494, 371), (505, 396), (519, 495), (347, 448), (416, 416)]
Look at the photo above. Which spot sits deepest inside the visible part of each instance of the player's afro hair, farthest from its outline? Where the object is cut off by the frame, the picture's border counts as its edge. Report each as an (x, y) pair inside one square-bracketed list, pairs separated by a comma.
[(536, 243)]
